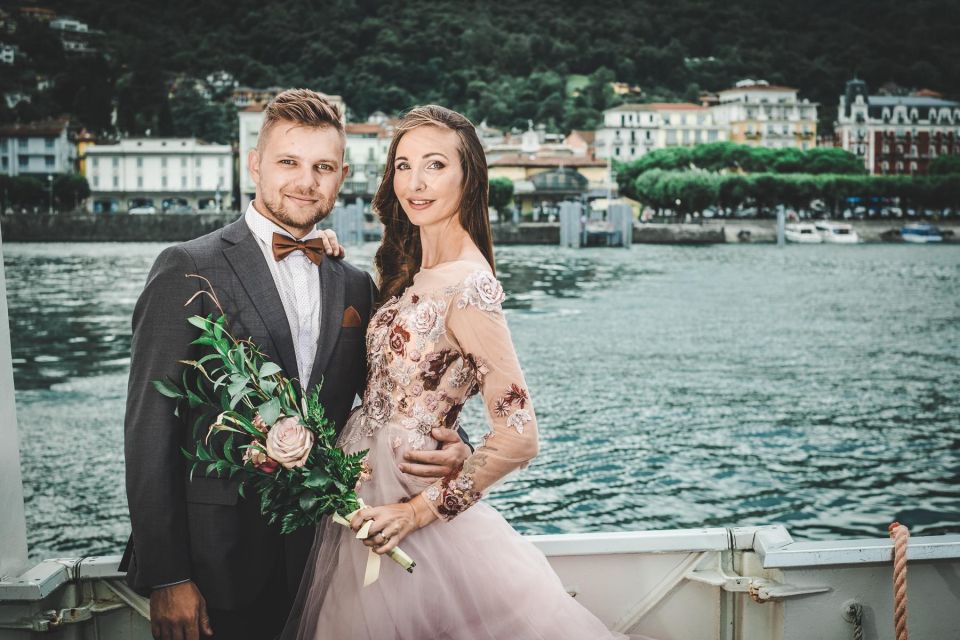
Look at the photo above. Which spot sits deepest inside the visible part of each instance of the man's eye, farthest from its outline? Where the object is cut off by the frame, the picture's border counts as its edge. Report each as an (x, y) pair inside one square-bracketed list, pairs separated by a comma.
[(324, 167), (287, 162)]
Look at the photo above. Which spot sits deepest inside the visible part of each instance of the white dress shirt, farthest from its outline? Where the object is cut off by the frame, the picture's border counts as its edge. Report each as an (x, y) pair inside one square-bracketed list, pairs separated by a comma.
[(298, 282)]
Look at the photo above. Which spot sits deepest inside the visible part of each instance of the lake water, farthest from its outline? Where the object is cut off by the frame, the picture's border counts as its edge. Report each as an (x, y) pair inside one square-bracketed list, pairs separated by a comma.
[(810, 386)]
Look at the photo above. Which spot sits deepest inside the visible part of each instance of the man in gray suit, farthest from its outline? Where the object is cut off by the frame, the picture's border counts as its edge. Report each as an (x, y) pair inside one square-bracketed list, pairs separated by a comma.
[(205, 556)]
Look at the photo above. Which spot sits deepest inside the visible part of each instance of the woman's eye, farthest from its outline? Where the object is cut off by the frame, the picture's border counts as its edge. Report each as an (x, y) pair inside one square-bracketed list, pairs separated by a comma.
[(403, 166), (436, 164)]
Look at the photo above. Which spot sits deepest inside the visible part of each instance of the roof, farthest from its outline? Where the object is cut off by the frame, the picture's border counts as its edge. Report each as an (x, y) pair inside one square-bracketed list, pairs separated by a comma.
[(53, 127), (911, 101), (588, 136), (676, 106), (363, 127), (630, 106), (759, 87), (519, 160)]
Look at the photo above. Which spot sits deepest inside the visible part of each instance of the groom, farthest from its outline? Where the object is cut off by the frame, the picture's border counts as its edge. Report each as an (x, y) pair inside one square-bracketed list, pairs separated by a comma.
[(207, 558)]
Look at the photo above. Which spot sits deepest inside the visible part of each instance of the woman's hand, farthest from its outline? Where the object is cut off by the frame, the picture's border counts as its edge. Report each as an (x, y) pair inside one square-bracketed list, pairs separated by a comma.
[(392, 523), (330, 245)]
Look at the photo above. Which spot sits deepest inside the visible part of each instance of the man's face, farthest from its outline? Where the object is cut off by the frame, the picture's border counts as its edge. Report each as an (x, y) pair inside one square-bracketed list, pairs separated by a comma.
[(298, 171)]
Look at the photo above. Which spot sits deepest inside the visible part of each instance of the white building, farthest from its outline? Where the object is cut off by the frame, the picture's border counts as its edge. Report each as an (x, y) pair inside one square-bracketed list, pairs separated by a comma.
[(250, 119), (367, 146), (8, 54), (632, 130), (38, 149), (764, 115), (159, 175), (69, 24)]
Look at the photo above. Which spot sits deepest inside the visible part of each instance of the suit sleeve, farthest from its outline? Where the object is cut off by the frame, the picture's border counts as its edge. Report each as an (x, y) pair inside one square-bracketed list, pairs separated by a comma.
[(153, 435)]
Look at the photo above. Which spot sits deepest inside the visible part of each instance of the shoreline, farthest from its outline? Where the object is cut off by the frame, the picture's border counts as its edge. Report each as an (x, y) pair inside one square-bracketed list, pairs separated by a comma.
[(179, 228)]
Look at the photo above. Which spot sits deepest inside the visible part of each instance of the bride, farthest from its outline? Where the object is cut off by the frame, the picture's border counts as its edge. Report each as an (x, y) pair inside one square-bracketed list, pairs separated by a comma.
[(438, 337)]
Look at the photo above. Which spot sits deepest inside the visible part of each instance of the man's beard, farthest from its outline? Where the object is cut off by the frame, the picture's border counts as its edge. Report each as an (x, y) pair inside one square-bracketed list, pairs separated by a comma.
[(277, 210)]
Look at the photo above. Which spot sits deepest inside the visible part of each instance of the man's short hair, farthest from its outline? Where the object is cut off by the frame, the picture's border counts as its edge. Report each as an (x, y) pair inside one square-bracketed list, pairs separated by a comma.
[(303, 107)]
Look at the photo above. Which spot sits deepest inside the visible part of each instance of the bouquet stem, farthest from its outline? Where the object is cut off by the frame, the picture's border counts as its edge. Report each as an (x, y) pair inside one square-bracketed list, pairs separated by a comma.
[(397, 554)]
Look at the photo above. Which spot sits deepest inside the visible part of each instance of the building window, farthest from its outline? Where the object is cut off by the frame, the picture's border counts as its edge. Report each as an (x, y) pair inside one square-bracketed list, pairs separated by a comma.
[(183, 162), (163, 162), (24, 143), (139, 163), (163, 182), (96, 182), (139, 182), (49, 142), (48, 161), (23, 161), (116, 182), (94, 162), (116, 162), (616, 151), (183, 182), (196, 161), (199, 181), (220, 161)]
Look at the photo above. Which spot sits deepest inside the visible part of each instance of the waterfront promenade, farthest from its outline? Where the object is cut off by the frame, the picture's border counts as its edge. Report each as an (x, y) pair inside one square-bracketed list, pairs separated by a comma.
[(175, 228)]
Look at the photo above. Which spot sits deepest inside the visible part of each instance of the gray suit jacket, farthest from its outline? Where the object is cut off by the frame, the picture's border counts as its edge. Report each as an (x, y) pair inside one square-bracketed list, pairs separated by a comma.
[(203, 530)]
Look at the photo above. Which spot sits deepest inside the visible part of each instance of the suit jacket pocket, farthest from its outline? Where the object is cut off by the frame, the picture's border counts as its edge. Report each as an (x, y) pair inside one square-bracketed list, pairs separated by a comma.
[(204, 490)]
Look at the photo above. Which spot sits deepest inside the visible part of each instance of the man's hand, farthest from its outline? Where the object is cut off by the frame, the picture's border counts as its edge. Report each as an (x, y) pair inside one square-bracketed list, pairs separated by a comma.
[(179, 612), (442, 462)]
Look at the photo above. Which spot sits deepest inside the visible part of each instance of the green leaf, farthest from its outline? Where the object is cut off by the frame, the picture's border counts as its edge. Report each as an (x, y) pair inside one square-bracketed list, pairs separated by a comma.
[(241, 491), (269, 369), (200, 323), (318, 478), (269, 411), (308, 501), (167, 388), (236, 386), (228, 450)]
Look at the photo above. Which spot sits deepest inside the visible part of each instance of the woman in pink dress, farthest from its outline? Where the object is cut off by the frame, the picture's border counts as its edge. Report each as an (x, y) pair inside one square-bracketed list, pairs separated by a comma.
[(438, 337)]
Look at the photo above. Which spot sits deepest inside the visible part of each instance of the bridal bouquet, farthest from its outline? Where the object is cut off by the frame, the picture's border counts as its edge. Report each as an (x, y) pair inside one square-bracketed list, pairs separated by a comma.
[(256, 424)]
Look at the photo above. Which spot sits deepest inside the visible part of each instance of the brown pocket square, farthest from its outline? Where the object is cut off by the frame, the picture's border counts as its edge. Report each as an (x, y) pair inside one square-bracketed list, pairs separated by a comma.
[(351, 318)]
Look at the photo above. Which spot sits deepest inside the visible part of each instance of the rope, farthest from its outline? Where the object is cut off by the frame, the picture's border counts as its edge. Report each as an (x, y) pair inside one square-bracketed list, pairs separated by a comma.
[(900, 535), (854, 614)]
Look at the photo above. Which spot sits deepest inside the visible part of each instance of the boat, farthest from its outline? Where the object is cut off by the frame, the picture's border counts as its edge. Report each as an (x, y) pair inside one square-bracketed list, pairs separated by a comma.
[(735, 583), (921, 233), (802, 233), (837, 232)]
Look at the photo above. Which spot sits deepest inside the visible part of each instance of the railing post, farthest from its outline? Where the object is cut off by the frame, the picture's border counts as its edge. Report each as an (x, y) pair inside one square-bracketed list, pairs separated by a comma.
[(13, 526)]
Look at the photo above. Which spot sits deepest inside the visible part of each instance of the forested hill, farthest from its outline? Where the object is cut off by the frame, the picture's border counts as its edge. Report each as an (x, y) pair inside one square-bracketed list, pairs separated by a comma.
[(510, 61)]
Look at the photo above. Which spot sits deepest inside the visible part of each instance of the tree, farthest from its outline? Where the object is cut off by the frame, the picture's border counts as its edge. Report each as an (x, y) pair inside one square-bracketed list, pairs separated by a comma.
[(944, 165), (501, 194), (69, 191)]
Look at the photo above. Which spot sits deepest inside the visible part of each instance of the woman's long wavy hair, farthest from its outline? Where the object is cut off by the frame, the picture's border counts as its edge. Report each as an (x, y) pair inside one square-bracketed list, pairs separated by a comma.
[(398, 258)]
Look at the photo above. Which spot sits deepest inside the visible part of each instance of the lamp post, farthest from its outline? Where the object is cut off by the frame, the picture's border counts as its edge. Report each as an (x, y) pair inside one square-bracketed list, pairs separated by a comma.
[(50, 190)]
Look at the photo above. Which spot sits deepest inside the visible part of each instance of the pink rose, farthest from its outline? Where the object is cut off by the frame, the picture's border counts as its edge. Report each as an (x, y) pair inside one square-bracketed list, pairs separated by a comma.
[(259, 424), (255, 455), (289, 442)]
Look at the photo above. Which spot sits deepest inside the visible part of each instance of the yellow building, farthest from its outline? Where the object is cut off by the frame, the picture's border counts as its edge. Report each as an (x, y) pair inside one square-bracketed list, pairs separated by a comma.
[(764, 115)]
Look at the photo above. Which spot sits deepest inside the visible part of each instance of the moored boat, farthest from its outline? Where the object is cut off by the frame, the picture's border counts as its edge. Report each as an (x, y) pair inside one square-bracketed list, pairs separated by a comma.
[(837, 232), (802, 233), (921, 233)]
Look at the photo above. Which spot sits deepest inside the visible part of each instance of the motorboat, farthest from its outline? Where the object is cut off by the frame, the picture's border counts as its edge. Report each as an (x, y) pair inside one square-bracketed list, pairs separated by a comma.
[(837, 232), (921, 233), (802, 233)]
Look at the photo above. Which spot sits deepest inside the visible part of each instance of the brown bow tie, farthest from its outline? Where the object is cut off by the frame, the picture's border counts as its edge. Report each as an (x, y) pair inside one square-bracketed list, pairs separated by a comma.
[(285, 245)]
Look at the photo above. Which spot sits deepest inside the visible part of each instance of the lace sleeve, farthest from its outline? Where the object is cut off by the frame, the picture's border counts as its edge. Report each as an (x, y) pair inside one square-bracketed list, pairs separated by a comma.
[(477, 327)]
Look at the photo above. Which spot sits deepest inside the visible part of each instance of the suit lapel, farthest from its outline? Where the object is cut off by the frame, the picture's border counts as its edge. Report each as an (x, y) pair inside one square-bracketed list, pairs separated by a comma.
[(246, 258), (332, 293)]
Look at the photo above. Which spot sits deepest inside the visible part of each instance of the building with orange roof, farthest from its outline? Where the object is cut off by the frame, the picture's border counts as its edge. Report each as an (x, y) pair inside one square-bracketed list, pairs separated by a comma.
[(37, 149), (760, 114), (541, 182)]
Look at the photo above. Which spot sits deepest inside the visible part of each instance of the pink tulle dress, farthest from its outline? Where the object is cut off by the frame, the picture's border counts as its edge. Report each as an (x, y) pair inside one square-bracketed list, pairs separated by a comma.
[(442, 341)]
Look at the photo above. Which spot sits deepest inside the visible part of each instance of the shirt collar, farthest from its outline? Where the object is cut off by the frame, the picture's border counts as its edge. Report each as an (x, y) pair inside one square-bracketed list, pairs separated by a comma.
[(264, 228)]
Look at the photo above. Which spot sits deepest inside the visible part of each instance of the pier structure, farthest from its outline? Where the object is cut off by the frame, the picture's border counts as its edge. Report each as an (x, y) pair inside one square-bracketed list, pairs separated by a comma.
[(582, 227), (347, 222)]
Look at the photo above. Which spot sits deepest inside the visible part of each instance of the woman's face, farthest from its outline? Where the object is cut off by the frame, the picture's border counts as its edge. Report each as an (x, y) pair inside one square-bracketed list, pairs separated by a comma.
[(427, 176)]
